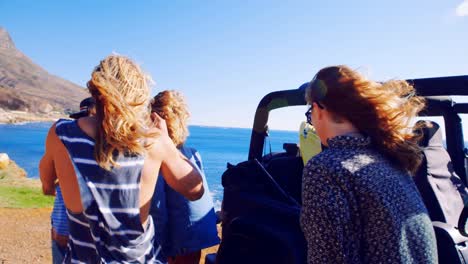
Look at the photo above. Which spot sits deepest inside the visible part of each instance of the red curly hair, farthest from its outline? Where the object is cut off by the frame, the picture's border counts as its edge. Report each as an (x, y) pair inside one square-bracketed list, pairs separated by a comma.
[(171, 106), (383, 111)]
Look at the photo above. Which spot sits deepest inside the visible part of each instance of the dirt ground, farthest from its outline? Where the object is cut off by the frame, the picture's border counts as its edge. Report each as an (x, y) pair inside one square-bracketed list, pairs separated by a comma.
[(25, 236)]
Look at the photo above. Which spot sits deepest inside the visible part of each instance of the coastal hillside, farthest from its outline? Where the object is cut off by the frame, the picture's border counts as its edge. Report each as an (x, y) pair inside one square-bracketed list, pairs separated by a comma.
[(25, 87)]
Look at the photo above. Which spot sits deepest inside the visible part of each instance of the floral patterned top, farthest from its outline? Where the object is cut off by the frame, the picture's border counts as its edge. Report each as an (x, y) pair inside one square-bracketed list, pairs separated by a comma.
[(358, 207)]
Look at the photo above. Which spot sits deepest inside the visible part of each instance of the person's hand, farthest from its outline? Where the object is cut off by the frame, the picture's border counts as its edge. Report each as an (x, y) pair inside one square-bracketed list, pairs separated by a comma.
[(48, 189), (159, 125)]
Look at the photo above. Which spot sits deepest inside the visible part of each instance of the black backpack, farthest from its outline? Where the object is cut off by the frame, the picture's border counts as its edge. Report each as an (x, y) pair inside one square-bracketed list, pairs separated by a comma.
[(260, 218)]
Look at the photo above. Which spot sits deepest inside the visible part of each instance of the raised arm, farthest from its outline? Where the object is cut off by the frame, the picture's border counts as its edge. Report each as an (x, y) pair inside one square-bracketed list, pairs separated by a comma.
[(176, 169)]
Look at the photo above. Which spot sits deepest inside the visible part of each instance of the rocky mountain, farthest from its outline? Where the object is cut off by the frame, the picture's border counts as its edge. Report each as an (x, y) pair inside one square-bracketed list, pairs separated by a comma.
[(25, 86)]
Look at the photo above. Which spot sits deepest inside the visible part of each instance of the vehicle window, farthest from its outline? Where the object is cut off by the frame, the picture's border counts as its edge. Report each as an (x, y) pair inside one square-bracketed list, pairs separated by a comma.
[(464, 118), (283, 124)]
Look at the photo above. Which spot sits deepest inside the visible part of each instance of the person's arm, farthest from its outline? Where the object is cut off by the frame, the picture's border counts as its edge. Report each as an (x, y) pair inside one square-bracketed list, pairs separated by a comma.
[(326, 217), (47, 166), (179, 173)]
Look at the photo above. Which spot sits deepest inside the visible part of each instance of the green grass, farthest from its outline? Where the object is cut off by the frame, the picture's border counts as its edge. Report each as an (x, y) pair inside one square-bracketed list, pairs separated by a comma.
[(24, 197)]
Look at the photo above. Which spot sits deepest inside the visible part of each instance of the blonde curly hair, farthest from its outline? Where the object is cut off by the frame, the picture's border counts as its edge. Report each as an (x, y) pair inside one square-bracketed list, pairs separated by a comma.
[(122, 95), (171, 106), (383, 111)]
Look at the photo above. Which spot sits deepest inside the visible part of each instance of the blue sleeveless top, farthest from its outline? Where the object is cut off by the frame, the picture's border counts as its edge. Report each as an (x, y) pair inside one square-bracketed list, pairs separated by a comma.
[(183, 226), (109, 229)]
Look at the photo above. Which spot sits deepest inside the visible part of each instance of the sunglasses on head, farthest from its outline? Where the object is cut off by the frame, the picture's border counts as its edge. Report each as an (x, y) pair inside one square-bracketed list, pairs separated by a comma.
[(317, 89)]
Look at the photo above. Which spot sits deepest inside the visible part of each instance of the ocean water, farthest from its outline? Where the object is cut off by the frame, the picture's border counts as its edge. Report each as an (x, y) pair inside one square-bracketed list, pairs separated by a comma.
[(24, 143)]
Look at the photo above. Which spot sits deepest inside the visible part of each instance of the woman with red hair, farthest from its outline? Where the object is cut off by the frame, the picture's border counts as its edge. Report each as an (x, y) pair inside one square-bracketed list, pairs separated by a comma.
[(360, 204)]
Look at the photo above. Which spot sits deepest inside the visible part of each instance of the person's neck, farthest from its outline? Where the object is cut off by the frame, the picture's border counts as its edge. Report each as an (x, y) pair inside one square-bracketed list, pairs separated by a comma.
[(88, 125), (341, 129)]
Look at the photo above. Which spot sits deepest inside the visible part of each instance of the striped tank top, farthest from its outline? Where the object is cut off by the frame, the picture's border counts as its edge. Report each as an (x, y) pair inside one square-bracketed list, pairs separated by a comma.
[(109, 229)]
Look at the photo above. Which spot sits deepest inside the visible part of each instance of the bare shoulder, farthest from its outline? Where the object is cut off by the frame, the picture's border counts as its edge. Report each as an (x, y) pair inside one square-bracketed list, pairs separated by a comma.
[(52, 137), (52, 130)]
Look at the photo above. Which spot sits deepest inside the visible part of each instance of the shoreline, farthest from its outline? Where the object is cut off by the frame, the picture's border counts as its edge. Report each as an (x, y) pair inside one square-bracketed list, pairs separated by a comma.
[(23, 117)]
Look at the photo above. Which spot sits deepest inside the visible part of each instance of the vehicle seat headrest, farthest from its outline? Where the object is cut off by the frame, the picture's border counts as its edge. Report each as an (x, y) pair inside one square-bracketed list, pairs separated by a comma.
[(431, 133)]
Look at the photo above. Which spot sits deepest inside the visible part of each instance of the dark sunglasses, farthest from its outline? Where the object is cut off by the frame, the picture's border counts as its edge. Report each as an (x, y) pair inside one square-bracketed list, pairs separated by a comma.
[(308, 114)]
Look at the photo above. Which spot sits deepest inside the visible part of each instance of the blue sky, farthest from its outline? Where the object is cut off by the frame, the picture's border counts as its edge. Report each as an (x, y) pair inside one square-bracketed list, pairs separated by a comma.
[(225, 55)]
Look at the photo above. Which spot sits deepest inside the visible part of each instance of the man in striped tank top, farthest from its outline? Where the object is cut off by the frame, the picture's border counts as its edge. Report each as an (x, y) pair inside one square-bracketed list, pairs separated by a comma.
[(183, 228), (50, 186), (107, 166)]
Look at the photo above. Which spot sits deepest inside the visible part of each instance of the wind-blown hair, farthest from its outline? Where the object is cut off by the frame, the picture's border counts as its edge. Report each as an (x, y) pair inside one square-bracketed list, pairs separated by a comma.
[(121, 91), (383, 111), (171, 106)]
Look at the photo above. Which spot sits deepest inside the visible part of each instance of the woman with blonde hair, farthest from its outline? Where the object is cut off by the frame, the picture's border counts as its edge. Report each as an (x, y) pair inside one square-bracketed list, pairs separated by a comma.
[(183, 227), (107, 166), (360, 204)]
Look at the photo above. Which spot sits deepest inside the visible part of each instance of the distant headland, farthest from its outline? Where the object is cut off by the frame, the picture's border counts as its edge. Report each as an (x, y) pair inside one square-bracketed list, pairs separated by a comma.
[(28, 93)]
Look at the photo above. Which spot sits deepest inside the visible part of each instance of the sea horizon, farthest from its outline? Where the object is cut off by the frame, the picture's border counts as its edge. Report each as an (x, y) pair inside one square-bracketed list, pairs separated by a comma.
[(195, 125)]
